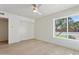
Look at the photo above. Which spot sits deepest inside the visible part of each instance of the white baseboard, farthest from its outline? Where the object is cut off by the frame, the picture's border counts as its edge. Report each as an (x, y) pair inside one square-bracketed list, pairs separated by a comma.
[(63, 45)]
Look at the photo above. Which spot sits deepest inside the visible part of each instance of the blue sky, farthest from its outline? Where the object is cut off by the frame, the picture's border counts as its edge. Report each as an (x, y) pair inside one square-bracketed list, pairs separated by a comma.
[(75, 18)]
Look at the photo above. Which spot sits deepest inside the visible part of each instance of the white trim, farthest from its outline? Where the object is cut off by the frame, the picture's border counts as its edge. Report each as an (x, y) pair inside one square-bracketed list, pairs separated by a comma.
[(66, 16), (67, 28), (53, 28)]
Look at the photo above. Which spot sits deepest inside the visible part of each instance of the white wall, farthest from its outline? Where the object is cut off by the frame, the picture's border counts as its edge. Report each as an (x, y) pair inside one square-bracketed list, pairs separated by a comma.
[(44, 28), (20, 28)]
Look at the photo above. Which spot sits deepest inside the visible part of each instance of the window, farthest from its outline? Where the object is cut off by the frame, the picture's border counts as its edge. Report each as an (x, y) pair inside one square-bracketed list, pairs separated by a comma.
[(66, 28)]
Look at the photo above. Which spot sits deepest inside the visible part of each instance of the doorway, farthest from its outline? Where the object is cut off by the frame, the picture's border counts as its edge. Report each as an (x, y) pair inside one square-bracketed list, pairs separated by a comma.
[(3, 30)]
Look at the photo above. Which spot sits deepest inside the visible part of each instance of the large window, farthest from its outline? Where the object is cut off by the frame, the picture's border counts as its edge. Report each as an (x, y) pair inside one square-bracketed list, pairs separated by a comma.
[(67, 28)]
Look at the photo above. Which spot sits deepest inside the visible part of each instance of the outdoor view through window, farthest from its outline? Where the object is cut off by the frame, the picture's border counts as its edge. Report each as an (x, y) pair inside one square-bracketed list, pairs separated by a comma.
[(67, 28)]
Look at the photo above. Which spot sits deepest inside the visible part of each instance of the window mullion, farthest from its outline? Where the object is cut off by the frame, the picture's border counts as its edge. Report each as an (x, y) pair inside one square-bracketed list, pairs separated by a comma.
[(67, 27)]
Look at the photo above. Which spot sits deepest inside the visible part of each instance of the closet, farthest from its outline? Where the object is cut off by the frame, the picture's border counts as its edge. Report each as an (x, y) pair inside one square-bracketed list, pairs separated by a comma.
[(3, 30)]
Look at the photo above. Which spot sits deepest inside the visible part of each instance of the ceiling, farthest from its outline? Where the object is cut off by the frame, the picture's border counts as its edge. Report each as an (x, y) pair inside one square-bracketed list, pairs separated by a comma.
[(26, 9)]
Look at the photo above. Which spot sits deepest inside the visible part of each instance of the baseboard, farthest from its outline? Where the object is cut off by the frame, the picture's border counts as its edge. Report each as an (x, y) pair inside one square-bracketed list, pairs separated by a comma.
[(4, 41), (58, 44), (21, 41)]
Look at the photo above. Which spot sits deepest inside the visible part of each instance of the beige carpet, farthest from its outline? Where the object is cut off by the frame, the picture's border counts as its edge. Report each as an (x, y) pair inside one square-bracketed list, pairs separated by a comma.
[(35, 47)]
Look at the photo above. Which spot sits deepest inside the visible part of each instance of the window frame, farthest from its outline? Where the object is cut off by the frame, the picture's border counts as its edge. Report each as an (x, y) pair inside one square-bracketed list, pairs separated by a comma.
[(54, 19)]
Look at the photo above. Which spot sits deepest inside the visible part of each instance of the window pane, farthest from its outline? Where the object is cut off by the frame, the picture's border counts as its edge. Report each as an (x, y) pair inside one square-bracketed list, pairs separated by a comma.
[(73, 27), (61, 28)]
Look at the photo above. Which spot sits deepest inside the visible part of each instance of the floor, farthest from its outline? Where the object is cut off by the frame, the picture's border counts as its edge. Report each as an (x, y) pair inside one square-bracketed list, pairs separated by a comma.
[(35, 47)]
